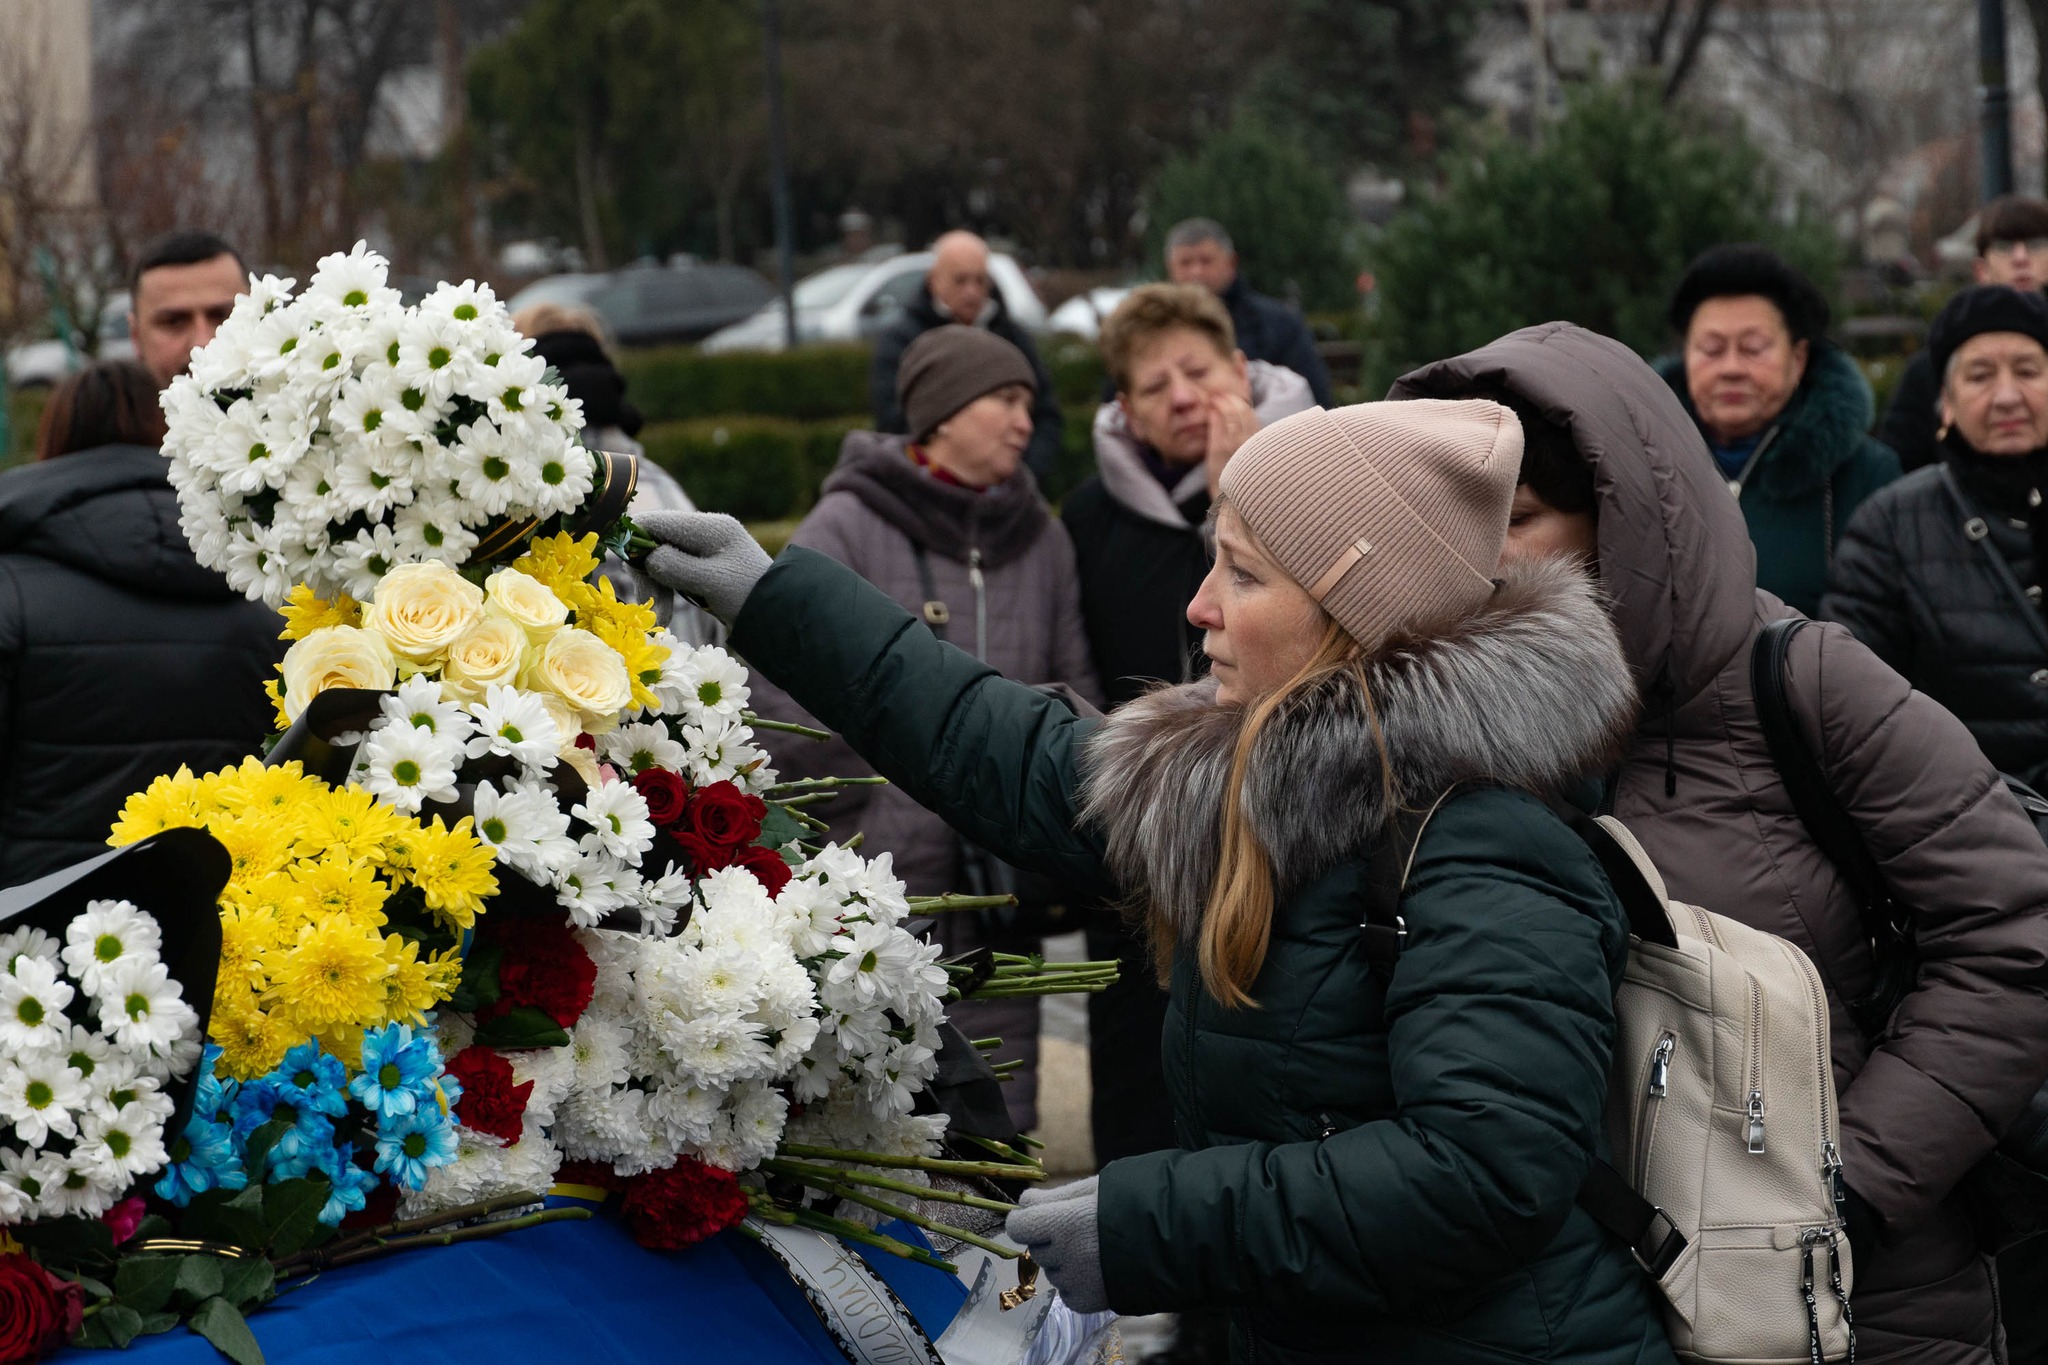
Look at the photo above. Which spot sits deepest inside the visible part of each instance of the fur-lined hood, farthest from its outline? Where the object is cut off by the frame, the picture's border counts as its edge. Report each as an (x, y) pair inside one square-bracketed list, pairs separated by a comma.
[(1819, 431), (1531, 691)]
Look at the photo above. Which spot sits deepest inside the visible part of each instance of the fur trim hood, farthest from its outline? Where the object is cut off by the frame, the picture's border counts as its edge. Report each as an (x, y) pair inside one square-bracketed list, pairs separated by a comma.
[(1531, 691), (1819, 431)]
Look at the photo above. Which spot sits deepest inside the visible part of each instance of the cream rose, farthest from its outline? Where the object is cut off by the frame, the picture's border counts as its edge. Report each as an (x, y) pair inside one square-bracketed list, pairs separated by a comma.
[(335, 656), (494, 650), (526, 601), (586, 673), (421, 609)]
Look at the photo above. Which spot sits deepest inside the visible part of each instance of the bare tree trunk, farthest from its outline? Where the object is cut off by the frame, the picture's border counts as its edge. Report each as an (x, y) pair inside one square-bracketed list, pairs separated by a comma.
[(261, 132), (455, 133), (2037, 16), (1689, 48), (1660, 33)]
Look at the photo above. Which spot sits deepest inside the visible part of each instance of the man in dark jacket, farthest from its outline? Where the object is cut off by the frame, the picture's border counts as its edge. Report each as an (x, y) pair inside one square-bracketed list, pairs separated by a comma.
[(2012, 249), (1186, 399), (1199, 251), (120, 657), (958, 289), (1941, 573)]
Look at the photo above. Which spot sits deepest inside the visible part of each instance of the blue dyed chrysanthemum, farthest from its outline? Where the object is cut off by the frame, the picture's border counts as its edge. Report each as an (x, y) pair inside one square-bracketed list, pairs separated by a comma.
[(410, 1145), (398, 1071)]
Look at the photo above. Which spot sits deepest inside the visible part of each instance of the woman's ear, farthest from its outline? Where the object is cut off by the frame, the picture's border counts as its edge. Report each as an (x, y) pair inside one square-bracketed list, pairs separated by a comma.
[(1948, 419), (1802, 351)]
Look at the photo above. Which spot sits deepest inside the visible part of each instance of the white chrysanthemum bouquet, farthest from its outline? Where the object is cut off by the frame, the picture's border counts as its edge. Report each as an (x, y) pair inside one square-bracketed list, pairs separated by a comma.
[(93, 1030), (327, 437)]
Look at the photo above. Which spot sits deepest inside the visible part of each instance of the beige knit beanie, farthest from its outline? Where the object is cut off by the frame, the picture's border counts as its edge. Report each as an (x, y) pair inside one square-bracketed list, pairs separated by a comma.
[(1390, 514)]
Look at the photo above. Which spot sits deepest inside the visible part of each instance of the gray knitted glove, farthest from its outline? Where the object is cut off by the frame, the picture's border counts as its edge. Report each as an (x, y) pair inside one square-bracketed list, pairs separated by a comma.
[(1058, 1228), (707, 557)]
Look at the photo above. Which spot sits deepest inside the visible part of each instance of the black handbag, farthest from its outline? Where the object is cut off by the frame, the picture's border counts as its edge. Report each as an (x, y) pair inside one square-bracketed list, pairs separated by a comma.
[(2007, 1193)]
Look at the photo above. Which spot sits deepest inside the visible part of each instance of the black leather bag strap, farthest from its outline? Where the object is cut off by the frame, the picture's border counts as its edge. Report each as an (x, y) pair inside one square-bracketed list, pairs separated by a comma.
[(1646, 1230), (1828, 823)]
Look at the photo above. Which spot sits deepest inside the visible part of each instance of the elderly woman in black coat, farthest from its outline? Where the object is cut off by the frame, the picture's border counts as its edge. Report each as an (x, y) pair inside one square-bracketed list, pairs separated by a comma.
[(1941, 573)]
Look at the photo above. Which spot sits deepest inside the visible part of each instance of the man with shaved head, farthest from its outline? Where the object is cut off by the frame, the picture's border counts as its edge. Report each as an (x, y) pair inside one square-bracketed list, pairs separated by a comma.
[(957, 288)]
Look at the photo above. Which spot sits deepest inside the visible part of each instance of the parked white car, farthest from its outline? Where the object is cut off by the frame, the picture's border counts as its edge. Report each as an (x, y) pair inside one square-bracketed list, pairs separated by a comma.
[(1083, 314), (52, 362), (856, 301)]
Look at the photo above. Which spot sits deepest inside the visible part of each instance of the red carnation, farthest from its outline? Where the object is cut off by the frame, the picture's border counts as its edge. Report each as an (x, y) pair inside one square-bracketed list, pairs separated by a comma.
[(378, 1209), (724, 816), (682, 1205), (767, 866), (543, 966), (490, 1102), (39, 1312), (666, 795)]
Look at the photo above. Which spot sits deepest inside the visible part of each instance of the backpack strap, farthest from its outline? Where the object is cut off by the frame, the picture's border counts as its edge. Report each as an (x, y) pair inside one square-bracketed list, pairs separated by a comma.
[(1886, 923), (935, 612), (1646, 1230), (1383, 932)]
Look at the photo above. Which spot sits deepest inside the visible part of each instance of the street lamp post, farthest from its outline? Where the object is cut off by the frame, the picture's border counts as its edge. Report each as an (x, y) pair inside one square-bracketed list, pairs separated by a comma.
[(778, 170), (1994, 99)]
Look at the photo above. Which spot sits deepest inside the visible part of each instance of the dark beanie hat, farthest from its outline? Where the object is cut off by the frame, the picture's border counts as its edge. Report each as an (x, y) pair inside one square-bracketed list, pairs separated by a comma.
[(1984, 308), (1745, 268), (949, 367), (591, 378)]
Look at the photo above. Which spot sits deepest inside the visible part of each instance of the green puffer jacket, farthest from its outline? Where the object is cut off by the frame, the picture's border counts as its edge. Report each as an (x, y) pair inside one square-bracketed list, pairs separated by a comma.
[(1378, 1166), (1820, 465)]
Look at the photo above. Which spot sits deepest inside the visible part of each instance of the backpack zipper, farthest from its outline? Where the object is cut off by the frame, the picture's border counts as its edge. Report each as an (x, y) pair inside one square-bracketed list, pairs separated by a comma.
[(1755, 1110), (1656, 1088), (1830, 1155)]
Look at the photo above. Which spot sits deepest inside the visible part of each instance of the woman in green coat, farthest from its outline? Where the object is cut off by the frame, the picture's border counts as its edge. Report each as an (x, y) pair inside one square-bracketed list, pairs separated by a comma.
[(1378, 1161)]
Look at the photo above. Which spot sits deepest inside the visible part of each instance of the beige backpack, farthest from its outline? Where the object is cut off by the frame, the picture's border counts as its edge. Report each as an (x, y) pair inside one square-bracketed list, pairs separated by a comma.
[(1724, 1179)]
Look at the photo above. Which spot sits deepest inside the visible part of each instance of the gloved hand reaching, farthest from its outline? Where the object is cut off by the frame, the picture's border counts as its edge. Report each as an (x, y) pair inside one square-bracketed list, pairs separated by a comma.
[(1058, 1228), (707, 557)]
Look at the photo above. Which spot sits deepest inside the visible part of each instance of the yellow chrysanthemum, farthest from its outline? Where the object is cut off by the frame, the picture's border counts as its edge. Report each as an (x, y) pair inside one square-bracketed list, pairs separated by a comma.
[(444, 972), (247, 934), (333, 975), (345, 1043), (274, 690), (257, 789), (560, 561), (170, 802), (452, 868), (335, 886), (251, 1041), (257, 845), (602, 610), (644, 659), (304, 613), (410, 991), (349, 823)]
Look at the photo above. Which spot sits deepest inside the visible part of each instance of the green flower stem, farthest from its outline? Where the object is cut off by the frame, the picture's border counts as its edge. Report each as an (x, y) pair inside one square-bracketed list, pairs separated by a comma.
[(1004, 1149), (985, 1044), (930, 905), (810, 783), (852, 1195), (769, 1212), (448, 1237), (786, 727), (795, 803), (991, 1170), (323, 1255), (806, 819), (1065, 988), (1028, 969), (805, 1172)]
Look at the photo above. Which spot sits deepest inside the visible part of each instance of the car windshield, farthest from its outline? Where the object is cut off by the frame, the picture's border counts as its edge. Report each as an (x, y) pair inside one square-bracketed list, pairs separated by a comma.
[(827, 287), (557, 289)]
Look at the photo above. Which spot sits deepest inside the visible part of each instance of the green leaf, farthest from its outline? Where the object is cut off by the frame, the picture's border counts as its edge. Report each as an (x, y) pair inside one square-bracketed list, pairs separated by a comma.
[(247, 1281), (199, 1277), (221, 1323), (144, 1282), (479, 984), (291, 1213), (119, 1323), (256, 1153), (153, 1323), (97, 1288), (779, 829), (237, 1218), (152, 1225), (521, 1028)]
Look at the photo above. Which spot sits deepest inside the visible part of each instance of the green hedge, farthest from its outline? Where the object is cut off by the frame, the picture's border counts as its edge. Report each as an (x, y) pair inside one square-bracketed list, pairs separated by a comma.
[(813, 383), (24, 415)]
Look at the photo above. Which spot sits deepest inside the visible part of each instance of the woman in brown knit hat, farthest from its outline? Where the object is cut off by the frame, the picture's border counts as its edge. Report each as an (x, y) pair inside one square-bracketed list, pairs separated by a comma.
[(1375, 1163)]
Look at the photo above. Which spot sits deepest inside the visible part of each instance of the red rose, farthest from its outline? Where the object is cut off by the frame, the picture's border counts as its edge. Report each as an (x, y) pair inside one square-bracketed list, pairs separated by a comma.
[(704, 855), (682, 1205), (766, 865), (724, 816), (490, 1102), (666, 794), (544, 965), (38, 1311)]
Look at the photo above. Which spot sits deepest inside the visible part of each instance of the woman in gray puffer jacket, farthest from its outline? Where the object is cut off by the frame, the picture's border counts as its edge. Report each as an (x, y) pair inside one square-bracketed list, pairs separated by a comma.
[(949, 523)]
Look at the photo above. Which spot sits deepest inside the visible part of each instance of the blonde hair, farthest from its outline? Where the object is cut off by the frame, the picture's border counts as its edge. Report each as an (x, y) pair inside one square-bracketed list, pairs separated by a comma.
[(539, 319), (1151, 309), (1237, 921)]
